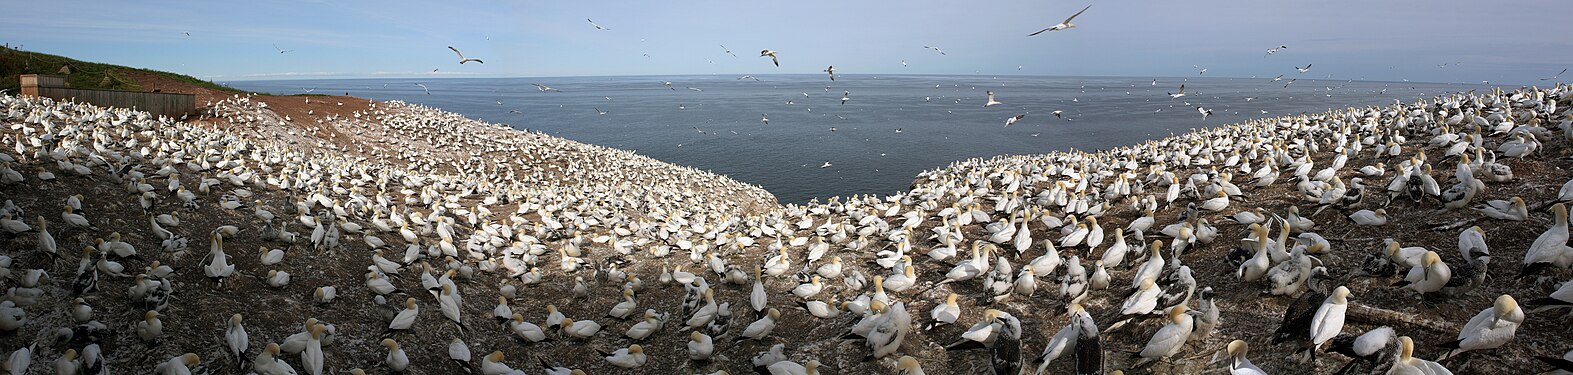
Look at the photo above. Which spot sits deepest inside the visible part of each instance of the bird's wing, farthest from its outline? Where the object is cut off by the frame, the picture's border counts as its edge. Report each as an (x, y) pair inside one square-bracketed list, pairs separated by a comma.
[(456, 51), (1039, 32), (1073, 16)]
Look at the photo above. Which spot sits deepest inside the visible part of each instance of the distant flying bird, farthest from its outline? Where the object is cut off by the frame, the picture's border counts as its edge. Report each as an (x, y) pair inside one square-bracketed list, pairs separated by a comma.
[(423, 87), (598, 111), (281, 50), (1173, 95), (545, 88), (1057, 114), (831, 70), (1154, 82), (772, 55), (463, 60), (898, 130), (936, 49), (1280, 77), (696, 89), (597, 27), (765, 118), (747, 77), (1303, 70), (1014, 119), (1559, 74), (1066, 24), (826, 165), (903, 63), (668, 85), (1291, 82), (1205, 112), (845, 96), (728, 50), (1274, 50), (991, 101), (188, 33)]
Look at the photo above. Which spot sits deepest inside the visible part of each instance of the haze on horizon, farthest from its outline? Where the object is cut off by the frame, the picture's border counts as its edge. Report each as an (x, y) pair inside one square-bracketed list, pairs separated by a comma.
[(1508, 42)]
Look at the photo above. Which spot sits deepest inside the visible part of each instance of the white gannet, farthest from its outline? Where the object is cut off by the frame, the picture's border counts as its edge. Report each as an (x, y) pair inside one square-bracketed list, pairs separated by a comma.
[(525, 330), (1550, 249), (396, 360), (630, 357), (1406, 363), (462, 59), (1066, 24), (1489, 329), (179, 365), (237, 339), (1329, 319), (406, 317), (1168, 340), (773, 58), (1238, 363), (761, 328)]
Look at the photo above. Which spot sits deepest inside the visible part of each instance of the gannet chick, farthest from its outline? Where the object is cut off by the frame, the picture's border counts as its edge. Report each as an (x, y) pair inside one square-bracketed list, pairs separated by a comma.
[(1368, 348), (1489, 329)]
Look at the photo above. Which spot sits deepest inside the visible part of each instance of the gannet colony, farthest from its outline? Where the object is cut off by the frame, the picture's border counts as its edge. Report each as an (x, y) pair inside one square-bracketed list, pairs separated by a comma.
[(1426, 237)]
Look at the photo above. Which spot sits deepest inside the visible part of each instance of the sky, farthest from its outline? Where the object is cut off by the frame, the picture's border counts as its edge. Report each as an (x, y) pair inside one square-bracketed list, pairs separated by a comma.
[(1506, 42)]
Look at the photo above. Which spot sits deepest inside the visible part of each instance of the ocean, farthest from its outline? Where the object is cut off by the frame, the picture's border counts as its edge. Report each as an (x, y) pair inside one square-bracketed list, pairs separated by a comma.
[(891, 128)]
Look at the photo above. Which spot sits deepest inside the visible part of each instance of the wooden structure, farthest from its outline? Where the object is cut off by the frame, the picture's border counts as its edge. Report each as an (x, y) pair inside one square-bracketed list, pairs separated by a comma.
[(157, 103)]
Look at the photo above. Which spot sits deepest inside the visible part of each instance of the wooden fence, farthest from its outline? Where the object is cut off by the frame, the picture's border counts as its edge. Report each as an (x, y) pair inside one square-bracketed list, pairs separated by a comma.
[(157, 103)]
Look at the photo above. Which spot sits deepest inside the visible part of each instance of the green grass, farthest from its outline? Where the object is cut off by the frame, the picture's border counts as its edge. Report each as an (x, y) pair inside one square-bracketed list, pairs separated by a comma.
[(84, 74)]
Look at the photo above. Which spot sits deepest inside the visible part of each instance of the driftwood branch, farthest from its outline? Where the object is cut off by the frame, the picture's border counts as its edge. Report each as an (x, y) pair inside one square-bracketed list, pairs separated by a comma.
[(1374, 315)]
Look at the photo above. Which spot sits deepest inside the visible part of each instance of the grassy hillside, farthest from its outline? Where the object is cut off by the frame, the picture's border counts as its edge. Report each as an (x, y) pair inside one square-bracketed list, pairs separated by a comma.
[(87, 75)]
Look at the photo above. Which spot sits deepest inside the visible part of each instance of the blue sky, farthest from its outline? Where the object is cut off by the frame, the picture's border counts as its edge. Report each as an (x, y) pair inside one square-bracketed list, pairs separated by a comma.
[(1509, 42)]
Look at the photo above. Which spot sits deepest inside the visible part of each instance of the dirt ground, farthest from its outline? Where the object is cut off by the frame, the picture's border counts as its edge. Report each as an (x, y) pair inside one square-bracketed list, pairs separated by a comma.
[(195, 320)]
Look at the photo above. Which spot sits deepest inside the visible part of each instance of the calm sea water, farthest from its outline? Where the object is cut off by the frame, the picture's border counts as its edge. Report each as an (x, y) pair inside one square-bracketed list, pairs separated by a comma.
[(892, 128)]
